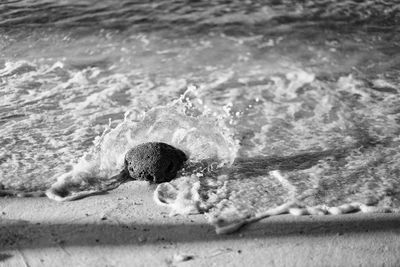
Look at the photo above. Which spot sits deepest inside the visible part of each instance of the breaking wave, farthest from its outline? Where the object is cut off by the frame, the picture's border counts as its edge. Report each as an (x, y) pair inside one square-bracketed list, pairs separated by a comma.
[(280, 106)]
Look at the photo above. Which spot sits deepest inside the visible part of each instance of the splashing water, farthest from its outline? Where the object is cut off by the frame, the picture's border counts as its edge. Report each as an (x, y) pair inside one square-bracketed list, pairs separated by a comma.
[(329, 154), (199, 137), (280, 107)]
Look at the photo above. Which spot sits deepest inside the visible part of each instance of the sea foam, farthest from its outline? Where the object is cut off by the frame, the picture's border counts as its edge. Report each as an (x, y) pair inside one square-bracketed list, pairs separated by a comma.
[(200, 137)]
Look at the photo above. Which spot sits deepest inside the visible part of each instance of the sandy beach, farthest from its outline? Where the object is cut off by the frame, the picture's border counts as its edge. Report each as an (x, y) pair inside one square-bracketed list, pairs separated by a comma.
[(126, 228), (272, 104)]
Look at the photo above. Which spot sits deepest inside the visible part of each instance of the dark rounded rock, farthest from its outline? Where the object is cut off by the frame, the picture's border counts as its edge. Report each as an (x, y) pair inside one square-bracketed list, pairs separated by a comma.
[(154, 162)]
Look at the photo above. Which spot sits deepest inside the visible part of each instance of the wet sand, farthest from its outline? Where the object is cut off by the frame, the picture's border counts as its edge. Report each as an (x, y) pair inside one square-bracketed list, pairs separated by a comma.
[(126, 228)]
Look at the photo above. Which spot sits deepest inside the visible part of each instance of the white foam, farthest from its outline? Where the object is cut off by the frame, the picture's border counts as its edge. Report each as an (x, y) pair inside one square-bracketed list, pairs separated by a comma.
[(199, 137)]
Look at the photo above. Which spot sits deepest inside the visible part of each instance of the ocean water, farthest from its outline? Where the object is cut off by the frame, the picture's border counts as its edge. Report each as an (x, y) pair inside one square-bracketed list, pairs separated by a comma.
[(272, 100)]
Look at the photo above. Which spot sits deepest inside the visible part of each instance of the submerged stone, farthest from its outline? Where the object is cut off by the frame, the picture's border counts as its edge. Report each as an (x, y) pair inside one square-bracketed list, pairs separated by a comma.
[(154, 162)]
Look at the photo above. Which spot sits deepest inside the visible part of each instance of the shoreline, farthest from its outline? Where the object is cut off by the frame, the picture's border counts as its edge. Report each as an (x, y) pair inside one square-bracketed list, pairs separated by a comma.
[(126, 228)]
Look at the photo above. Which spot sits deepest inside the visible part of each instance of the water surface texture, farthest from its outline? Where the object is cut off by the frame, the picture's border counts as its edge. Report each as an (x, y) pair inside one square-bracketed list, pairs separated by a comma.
[(308, 88)]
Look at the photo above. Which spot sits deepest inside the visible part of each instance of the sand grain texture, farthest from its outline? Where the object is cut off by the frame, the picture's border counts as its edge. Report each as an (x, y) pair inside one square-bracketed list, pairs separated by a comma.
[(126, 228)]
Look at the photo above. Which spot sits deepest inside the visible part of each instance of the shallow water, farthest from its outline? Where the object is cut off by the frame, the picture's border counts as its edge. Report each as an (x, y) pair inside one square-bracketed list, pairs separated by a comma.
[(311, 89)]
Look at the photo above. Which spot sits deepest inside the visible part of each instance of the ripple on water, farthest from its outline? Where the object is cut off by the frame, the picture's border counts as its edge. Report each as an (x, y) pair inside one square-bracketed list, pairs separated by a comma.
[(301, 97)]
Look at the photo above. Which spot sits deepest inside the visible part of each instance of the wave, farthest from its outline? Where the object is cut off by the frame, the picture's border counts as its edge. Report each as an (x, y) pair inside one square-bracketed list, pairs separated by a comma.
[(280, 133), (193, 15), (199, 136)]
